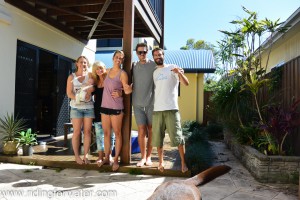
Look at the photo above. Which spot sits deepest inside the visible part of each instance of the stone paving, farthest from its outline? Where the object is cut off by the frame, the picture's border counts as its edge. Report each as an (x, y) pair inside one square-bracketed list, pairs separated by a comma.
[(35, 182)]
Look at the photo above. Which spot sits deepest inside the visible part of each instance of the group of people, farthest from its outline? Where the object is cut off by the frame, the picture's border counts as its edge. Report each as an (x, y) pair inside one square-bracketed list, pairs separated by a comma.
[(98, 97)]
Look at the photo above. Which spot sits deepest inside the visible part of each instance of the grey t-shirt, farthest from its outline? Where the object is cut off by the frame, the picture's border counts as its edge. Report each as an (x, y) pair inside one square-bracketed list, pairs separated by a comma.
[(143, 86)]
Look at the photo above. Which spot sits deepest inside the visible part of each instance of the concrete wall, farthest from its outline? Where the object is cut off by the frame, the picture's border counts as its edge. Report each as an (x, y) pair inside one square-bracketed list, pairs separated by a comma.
[(18, 25)]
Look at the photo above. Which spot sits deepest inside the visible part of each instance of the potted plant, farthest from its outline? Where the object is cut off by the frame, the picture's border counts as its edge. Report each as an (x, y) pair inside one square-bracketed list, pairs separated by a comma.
[(27, 140), (9, 126)]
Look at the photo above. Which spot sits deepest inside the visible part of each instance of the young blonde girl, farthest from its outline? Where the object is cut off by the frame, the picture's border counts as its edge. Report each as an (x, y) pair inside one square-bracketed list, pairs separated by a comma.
[(98, 74)]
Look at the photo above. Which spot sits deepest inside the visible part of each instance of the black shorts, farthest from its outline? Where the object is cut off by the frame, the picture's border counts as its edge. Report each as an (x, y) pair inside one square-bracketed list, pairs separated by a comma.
[(109, 111)]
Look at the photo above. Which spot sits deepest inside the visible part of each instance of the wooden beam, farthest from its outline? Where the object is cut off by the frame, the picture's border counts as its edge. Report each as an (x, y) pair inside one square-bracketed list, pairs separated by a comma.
[(68, 3), (162, 37), (128, 29), (70, 18), (63, 10), (101, 13), (155, 30)]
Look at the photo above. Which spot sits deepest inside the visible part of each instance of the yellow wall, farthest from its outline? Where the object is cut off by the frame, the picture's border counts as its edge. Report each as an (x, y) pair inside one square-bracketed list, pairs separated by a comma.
[(190, 100), (284, 49), (200, 93)]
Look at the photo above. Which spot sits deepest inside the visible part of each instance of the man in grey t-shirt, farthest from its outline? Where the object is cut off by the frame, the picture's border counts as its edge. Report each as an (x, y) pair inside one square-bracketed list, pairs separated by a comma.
[(142, 100)]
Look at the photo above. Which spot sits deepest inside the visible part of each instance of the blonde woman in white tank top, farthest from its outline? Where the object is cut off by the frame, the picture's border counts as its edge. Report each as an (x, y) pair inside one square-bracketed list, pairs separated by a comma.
[(82, 108)]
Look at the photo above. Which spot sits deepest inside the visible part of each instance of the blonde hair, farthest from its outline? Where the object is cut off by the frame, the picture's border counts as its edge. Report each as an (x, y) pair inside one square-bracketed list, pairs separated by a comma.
[(95, 67)]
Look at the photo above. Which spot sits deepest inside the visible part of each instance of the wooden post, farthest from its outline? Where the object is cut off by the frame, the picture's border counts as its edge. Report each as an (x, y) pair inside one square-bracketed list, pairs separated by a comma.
[(162, 39), (128, 29)]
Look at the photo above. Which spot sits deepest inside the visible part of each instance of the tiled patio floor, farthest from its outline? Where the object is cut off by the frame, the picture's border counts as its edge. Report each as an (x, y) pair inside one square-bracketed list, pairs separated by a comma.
[(55, 154)]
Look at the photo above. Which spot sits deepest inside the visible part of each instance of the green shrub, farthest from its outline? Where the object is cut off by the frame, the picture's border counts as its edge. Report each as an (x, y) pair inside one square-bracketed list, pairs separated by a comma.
[(189, 126), (198, 156), (198, 150), (197, 136), (214, 131)]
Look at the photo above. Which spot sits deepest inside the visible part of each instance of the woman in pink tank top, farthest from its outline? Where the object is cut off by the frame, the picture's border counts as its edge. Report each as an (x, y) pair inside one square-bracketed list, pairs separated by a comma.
[(112, 108)]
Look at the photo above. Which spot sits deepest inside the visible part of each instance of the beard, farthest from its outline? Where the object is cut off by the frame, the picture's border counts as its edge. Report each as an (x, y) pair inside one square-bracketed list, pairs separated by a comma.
[(159, 61)]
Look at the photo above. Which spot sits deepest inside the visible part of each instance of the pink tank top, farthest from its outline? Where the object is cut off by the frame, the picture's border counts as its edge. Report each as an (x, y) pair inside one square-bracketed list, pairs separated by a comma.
[(111, 84)]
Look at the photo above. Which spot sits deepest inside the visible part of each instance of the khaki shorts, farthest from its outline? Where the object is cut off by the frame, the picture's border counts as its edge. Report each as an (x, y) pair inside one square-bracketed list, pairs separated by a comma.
[(168, 120)]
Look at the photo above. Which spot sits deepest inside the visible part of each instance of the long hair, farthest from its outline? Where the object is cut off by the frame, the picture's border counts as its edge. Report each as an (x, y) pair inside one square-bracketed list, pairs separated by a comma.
[(95, 67)]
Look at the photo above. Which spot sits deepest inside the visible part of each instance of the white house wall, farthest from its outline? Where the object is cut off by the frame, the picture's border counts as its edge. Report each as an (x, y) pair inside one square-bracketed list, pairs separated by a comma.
[(18, 25)]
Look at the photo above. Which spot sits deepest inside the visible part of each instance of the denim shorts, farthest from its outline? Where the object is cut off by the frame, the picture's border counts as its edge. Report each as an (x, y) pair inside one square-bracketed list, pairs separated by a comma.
[(82, 113)]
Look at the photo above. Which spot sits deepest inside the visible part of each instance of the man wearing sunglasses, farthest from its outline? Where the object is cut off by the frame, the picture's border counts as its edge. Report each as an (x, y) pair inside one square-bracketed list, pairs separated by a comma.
[(142, 100)]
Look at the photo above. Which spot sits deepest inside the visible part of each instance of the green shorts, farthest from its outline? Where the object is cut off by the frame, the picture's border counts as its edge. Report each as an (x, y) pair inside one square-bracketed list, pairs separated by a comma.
[(168, 120)]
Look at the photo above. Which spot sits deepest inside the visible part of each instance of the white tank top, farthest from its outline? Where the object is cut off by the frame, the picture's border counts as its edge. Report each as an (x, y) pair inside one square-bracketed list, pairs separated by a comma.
[(77, 88)]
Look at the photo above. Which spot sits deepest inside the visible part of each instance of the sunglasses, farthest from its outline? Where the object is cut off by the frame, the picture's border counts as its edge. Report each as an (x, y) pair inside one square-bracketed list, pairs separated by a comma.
[(142, 52)]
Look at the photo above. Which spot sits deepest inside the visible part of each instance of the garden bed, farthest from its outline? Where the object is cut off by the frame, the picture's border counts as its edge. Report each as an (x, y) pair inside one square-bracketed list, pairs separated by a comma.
[(266, 169)]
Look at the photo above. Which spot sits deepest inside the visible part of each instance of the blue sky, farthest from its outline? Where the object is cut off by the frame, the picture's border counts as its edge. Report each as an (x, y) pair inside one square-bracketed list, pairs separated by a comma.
[(202, 19)]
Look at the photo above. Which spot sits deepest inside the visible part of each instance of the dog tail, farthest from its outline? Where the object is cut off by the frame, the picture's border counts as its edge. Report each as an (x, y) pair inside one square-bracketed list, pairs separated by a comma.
[(208, 175)]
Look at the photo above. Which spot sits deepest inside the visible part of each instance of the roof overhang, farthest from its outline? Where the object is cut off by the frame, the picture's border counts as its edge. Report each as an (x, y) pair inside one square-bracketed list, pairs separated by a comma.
[(293, 24), (96, 19)]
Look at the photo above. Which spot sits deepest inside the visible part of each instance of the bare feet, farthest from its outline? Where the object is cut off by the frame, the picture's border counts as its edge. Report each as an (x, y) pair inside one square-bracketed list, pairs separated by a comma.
[(149, 162), (141, 163), (115, 166), (79, 160), (184, 169), (161, 167)]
